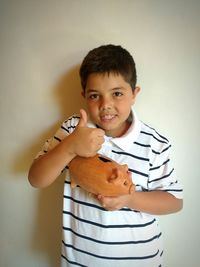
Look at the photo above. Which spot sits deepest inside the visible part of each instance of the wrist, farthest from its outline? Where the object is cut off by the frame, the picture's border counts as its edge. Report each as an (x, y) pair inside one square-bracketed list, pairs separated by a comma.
[(130, 201), (67, 147)]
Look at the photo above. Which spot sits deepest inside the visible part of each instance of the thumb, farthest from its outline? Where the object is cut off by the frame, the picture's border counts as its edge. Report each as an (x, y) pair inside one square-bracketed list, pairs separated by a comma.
[(83, 118)]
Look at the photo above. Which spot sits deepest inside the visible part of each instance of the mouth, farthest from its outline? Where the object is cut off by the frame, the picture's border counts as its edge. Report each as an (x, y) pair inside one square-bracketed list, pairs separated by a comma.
[(107, 117)]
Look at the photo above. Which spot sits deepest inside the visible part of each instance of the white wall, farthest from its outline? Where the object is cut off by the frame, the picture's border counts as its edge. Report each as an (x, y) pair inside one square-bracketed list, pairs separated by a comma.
[(42, 43)]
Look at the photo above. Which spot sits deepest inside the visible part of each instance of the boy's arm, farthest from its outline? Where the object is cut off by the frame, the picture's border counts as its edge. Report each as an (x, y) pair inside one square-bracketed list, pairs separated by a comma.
[(154, 202), (48, 167), (83, 141)]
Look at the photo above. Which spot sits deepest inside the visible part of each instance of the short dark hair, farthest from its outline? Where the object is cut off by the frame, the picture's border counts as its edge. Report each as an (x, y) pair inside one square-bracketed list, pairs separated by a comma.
[(107, 59)]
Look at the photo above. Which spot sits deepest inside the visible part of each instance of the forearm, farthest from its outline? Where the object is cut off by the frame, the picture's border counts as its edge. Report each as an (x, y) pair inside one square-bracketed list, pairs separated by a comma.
[(48, 167), (155, 202)]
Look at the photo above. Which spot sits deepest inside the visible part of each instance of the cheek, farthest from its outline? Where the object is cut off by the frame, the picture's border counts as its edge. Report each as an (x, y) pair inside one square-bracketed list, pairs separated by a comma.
[(125, 106), (92, 108), (129, 102)]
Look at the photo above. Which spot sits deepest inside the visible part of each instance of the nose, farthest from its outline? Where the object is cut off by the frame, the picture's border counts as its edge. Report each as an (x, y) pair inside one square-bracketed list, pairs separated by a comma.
[(106, 103)]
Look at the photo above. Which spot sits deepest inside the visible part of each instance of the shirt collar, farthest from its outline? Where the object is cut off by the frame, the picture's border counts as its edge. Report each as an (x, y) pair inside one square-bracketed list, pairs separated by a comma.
[(124, 142)]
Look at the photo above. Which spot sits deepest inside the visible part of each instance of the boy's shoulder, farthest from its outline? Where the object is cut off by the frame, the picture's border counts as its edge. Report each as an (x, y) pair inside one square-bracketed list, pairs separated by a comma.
[(153, 137), (71, 121), (149, 130)]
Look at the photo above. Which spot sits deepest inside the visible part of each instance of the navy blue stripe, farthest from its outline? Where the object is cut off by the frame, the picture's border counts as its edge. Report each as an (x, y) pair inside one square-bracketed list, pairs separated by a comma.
[(71, 118), (157, 132), (66, 167), (153, 151), (163, 177), (161, 141), (173, 190), (58, 139), (62, 127), (144, 145), (93, 205), (158, 153), (140, 173), (72, 127), (113, 243), (157, 167), (67, 182), (73, 262), (111, 258), (131, 155), (84, 203), (74, 117), (111, 225)]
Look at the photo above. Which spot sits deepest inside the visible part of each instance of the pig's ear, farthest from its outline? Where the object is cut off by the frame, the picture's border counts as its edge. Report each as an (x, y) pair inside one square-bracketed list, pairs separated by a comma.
[(125, 166), (114, 175)]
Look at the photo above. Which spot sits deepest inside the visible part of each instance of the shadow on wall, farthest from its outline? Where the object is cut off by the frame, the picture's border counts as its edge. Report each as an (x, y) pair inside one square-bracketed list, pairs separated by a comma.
[(48, 222), (68, 93)]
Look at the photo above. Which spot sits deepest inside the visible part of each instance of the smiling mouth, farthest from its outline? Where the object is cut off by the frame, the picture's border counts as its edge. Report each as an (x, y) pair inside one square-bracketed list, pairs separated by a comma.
[(107, 118)]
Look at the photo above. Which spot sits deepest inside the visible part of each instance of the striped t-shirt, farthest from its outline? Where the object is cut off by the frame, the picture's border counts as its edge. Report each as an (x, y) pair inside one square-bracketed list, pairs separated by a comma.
[(95, 237)]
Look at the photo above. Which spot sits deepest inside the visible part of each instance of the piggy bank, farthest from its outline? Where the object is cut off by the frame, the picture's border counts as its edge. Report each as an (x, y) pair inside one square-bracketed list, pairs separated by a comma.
[(100, 175)]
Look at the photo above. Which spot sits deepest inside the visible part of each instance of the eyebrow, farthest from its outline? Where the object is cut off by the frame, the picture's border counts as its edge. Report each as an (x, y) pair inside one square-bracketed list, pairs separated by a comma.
[(91, 91), (112, 89), (118, 88)]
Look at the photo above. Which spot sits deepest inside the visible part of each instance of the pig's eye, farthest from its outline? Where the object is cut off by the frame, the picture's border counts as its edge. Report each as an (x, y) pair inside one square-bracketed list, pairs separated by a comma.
[(125, 183), (104, 159)]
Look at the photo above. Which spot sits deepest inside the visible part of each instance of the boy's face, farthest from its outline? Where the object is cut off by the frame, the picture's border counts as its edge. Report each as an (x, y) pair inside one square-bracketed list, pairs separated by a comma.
[(109, 99)]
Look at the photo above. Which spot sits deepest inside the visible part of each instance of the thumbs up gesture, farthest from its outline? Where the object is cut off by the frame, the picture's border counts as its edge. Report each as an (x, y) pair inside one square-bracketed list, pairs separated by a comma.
[(83, 118), (87, 141)]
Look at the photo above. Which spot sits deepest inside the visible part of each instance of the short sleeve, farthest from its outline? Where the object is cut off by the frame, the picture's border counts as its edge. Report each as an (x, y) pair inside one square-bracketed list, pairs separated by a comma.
[(162, 175), (65, 129)]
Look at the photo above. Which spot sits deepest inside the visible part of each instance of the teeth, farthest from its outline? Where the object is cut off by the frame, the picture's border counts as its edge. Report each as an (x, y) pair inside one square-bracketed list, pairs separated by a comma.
[(107, 117)]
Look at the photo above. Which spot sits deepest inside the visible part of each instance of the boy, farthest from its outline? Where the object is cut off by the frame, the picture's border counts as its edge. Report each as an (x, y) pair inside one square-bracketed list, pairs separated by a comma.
[(111, 231)]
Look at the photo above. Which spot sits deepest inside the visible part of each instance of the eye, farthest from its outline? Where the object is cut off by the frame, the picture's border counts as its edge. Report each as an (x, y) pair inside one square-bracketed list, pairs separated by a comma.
[(118, 94), (93, 96), (104, 159), (125, 183)]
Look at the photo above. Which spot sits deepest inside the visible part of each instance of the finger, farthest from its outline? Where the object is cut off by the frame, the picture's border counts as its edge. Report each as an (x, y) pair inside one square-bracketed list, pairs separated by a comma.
[(100, 132), (100, 197), (92, 195), (83, 118), (101, 140)]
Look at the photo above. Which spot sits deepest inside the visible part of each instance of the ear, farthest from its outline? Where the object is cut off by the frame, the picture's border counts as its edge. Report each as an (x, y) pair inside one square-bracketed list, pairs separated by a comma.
[(125, 166), (136, 90), (135, 93), (114, 176), (83, 93)]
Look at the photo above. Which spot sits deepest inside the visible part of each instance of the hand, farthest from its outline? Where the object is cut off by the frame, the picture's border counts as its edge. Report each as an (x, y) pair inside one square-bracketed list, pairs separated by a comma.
[(114, 203), (86, 141), (153, 202)]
